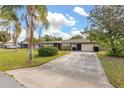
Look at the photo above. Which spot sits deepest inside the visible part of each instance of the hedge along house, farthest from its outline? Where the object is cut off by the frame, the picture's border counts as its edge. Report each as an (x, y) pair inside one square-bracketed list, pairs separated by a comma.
[(74, 45)]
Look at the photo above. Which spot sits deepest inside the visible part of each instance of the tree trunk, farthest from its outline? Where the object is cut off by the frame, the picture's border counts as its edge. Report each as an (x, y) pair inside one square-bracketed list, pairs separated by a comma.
[(16, 46), (4, 46), (31, 46), (30, 53), (31, 41), (31, 10)]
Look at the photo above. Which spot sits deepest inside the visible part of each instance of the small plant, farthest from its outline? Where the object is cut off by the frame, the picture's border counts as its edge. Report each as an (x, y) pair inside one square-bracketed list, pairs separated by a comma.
[(114, 52), (48, 51)]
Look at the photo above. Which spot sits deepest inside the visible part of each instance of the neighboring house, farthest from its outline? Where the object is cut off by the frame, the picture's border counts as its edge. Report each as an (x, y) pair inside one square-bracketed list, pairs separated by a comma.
[(7, 44), (10, 45), (75, 45), (24, 44)]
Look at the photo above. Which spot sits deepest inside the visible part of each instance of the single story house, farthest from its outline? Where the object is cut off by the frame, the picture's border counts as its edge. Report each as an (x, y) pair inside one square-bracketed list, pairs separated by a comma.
[(74, 45), (23, 44), (7, 44)]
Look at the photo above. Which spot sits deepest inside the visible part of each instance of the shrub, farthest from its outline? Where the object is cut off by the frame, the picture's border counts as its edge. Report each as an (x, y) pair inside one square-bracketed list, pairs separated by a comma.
[(114, 52), (48, 51)]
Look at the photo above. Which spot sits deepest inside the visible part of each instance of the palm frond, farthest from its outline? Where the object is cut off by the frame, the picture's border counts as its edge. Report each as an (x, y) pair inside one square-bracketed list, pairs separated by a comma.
[(11, 7), (42, 10)]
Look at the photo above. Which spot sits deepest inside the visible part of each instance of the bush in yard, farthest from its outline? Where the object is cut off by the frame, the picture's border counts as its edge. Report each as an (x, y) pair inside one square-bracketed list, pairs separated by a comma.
[(48, 51)]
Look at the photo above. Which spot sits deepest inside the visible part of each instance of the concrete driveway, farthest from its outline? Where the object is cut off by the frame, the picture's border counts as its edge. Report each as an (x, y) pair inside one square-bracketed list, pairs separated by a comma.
[(74, 70)]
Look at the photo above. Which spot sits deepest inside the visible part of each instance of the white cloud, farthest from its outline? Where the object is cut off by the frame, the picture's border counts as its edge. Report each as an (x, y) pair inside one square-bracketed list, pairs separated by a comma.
[(72, 21), (57, 33), (75, 31), (22, 35), (80, 11), (57, 21)]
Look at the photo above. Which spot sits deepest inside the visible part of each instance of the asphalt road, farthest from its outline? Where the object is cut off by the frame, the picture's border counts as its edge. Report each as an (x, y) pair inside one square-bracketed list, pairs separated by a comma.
[(8, 82)]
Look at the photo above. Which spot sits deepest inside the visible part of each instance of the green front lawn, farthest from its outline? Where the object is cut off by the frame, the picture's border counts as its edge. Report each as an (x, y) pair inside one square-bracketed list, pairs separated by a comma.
[(9, 59), (114, 68)]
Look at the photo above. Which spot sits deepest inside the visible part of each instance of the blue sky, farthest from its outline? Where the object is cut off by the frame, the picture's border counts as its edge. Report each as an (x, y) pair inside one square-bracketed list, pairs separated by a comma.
[(69, 11), (65, 20)]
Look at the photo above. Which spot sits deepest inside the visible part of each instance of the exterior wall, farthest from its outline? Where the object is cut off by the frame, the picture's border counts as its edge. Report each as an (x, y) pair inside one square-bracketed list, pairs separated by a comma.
[(65, 46), (73, 46), (84, 47), (50, 44), (47, 44), (87, 47)]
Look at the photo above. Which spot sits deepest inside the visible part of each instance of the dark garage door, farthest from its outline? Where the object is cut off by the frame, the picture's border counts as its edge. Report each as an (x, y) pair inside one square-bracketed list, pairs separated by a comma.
[(78, 47)]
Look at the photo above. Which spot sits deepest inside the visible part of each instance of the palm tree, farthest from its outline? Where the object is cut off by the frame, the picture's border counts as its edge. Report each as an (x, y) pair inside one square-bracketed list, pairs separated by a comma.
[(34, 16), (10, 18)]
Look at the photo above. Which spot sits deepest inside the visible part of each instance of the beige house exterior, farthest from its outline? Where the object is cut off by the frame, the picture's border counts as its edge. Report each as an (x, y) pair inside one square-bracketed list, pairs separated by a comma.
[(74, 45)]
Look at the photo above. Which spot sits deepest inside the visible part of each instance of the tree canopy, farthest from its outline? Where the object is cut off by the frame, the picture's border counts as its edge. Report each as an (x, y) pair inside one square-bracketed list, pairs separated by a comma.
[(11, 19), (108, 21), (4, 36), (51, 38), (76, 37)]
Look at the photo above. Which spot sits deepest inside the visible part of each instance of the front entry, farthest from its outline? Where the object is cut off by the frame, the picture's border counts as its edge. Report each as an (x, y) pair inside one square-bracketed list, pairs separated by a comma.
[(78, 47)]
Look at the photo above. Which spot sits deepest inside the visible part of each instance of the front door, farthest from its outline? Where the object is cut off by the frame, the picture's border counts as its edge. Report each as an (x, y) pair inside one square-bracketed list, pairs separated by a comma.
[(78, 47)]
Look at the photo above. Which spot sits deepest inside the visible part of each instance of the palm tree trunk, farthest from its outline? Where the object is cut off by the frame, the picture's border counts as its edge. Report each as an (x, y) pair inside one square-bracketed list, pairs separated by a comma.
[(31, 41), (16, 46), (31, 46), (30, 53), (4, 46)]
